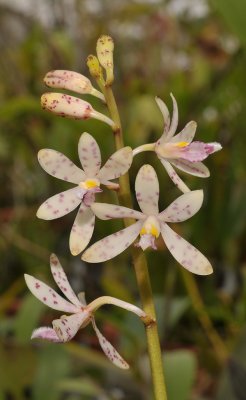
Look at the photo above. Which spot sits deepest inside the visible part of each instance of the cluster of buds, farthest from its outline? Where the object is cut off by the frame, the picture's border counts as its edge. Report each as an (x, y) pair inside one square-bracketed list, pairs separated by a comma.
[(173, 150)]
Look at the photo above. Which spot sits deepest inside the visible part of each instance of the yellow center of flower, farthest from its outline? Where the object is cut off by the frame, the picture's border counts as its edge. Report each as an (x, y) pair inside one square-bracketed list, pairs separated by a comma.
[(150, 227), (89, 184), (181, 144)]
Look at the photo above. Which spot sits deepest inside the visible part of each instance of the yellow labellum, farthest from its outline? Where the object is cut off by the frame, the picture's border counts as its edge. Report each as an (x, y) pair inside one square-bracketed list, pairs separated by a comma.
[(89, 184), (181, 144), (150, 230)]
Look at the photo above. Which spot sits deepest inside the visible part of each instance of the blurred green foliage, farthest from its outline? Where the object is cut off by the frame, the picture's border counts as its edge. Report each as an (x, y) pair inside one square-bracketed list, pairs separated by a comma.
[(196, 50)]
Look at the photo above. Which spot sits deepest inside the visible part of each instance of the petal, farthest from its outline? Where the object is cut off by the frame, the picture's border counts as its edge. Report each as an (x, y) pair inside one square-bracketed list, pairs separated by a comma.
[(68, 106), (165, 114), (192, 168), (89, 154), (174, 176), (112, 245), (70, 80), (67, 327), (109, 350), (183, 208), (174, 121), (198, 151), (110, 211), (117, 165), (59, 166), (48, 296), (46, 333), (186, 254), (82, 230), (60, 204), (147, 190), (187, 134), (61, 280)]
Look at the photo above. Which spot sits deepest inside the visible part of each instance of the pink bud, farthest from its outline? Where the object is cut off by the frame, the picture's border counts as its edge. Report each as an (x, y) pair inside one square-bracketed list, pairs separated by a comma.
[(69, 80)]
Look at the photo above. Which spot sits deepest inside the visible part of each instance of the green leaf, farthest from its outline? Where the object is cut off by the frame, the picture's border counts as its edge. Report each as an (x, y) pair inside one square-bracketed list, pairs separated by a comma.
[(180, 372), (84, 386)]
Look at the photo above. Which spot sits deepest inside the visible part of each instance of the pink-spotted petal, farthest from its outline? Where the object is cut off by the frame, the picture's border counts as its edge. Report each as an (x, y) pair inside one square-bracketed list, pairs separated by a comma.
[(117, 165), (174, 176), (110, 211), (67, 327), (82, 230), (46, 333), (61, 280), (89, 154), (109, 350), (112, 245), (183, 208), (186, 254), (59, 204), (192, 168), (59, 166), (48, 296), (147, 190), (198, 151), (166, 116), (187, 134)]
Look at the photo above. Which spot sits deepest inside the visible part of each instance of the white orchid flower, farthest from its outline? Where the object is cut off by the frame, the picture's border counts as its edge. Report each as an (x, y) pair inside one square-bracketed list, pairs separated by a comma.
[(66, 327), (150, 224), (180, 150), (87, 183)]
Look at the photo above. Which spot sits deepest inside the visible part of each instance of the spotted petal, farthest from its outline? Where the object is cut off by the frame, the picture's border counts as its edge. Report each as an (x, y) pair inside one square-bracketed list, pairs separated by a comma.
[(112, 245), (187, 134), (61, 280), (110, 211), (186, 254), (147, 190), (67, 327), (46, 333), (48, 296), (174, 176), (183, 208), (109, 350), (192, 168), (59, 204), (117, 165), (89, 154), (59, 166), (82, 230), (198, 151)]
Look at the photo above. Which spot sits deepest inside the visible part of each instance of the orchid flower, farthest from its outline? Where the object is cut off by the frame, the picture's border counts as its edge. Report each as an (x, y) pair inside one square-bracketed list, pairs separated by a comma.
[(66, 327), (180, 150), (87, 183), (150, 224)]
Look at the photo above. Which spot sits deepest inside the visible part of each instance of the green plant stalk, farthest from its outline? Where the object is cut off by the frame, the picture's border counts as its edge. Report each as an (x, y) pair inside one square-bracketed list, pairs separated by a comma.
[(140, 264), (200, 308)]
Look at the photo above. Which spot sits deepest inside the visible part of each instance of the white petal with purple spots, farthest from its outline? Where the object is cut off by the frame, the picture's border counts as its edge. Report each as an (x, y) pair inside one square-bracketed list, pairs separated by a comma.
[(192, 168), (187, 134), (147, 190), (67, 327), (82, 230), (46, 333), (109, 211), (48, 296), (59, 166), (89, 154), (117, 165), (186, 254), (60, 204), (112, 245), (165, 114), (109, 350), (174, 176), (61, 280), (183, 208)]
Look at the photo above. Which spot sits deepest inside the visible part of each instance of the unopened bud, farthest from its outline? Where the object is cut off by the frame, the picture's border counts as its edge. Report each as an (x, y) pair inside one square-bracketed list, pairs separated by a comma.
[(94, 67), (105, 48), (71, 107), (69, 80)]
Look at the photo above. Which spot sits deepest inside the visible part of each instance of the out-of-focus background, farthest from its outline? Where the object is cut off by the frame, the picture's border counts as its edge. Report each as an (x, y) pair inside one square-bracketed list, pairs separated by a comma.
[(196, 50)]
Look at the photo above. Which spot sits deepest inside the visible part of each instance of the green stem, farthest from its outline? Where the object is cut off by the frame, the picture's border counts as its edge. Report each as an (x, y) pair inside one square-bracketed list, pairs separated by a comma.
[(140, 264), (200, 308)]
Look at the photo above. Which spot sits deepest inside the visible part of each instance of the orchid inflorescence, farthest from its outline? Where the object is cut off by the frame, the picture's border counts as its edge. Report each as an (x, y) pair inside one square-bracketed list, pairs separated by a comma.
[(173, 150)]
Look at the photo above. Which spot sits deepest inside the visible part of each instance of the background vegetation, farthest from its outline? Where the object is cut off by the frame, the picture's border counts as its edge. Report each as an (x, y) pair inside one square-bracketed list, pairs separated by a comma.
[(196, 49)]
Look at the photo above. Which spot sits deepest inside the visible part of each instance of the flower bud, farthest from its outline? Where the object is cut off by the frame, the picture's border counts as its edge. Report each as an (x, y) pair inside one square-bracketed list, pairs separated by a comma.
[(71, 107), (61, 79), (94, 67), (105, 48)]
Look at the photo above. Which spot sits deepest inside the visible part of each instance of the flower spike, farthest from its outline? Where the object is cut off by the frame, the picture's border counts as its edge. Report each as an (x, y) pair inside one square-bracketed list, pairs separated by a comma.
[(150, 224), (179, 150), (87, 182), (66, 327)]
